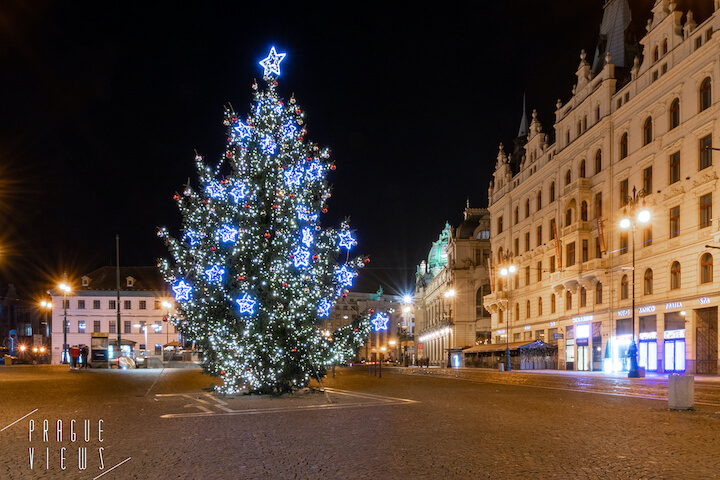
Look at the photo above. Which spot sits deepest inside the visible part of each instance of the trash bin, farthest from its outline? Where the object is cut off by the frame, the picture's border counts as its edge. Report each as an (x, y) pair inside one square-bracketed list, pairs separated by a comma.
[(501, 367), (8, 360), (681, 392)]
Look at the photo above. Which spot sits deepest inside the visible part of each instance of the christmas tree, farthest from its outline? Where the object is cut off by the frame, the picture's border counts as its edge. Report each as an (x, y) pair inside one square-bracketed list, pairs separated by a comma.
[(253, 271)]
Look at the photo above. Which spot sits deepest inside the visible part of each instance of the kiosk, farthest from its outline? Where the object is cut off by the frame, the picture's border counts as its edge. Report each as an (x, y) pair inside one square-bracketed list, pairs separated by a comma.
[(99, 350)]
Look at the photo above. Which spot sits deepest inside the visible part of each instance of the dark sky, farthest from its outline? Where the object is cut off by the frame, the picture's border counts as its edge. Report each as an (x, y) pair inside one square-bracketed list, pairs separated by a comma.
[(102, 105)]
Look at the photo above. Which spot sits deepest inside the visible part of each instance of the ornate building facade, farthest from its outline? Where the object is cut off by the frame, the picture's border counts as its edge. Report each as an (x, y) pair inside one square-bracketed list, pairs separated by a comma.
[(449, 289), (636, 134)]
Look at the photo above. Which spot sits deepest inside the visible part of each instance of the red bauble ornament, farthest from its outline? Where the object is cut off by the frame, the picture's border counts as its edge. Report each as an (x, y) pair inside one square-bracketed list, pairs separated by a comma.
[(275, 207), (222, 372), (343, 295), (234, 119), (293, 350), (241, 277), (372, 310), (333, 167), (355, 329), (228, 154), (284, 284), (247, 206), (267, 235), (324, 210), (176, 197), (367, 259), (213, 249), (300, 138), (292, 195)]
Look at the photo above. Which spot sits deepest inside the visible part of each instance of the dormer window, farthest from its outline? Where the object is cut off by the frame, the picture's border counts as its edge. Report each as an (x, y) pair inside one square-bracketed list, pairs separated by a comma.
[(85, 281), (130, 281)]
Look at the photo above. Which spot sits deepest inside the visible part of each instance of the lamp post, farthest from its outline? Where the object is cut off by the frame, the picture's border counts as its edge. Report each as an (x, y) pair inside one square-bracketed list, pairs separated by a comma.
[(167, 306), (143, 326), (630, 223), (47, 307), (65, 289), (449, 296), (507, 272)]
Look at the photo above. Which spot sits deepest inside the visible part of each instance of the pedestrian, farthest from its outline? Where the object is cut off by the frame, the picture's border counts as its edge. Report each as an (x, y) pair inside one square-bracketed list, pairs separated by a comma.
[(74, 354), (85, 356)]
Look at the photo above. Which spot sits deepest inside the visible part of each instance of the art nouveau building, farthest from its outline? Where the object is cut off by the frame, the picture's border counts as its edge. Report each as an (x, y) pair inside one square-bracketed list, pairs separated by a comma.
[(634, 129), (449, 289)]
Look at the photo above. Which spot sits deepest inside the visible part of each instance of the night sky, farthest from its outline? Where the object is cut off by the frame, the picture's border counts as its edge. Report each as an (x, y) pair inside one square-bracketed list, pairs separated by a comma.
[(103, 105)]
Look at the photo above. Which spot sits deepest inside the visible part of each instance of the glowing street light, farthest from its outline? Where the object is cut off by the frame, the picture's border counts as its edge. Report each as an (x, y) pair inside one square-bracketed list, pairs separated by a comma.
[(507, 272), (630, 223), (66, 290)]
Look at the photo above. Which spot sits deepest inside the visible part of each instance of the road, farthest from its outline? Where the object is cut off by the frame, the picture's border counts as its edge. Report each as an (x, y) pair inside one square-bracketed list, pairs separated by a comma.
[(153, 424)]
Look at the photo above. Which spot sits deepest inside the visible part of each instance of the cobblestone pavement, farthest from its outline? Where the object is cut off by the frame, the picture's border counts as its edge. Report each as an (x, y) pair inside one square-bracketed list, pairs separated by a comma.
[(153, 425)]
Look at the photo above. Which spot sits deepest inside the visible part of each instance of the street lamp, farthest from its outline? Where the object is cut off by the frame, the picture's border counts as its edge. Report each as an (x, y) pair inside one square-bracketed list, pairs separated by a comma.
[(167, 306), (65, 289), (630, 223), (507, 272), (47, 306)]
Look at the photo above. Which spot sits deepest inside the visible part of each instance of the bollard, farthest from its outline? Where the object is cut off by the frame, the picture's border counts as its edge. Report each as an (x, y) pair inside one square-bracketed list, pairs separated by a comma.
[(501, 367), (681, 392), (8, 360)]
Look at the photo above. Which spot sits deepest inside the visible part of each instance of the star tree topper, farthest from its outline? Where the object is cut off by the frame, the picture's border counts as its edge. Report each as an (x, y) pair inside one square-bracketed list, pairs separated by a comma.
[(271, 63)]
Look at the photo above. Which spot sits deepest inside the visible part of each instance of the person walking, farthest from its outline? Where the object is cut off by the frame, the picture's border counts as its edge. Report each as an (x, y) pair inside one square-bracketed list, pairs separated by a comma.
[(74, 354), (85, 351)]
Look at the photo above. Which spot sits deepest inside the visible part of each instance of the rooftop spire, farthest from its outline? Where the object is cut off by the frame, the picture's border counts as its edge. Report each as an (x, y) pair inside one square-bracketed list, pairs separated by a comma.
[(616, 36), (523, 130)]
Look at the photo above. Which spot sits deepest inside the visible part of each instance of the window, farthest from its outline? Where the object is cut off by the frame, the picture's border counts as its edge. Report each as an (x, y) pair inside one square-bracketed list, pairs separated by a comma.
[(584, 254), (674, 222), (583, 297), (142, 305), (598, 162), (568, 177), (647, 180), (648, 282), (539, 271), (553, 233), (96, 304), (111, 304), (675, 113), (127, 304), (552, 192), (582, 169), (517, 246), (112, 328), (539, 306), (664, 46), (96, 326), (517, 215), (527, 208), (705, 152), (623, 243), (706, 268), (66, 303), (705, 94), (647, 131), (157, 302), (598, 293), (624, 192), (527, 275), (570, 254), (598, 250), (81, 326), (567, 136), (675, 167), (527, 241), (552, 264), (584, 211), (568, 300), (527, 309), (624, 145), (552, 303), (598, 205), (81, 304), (127, 326), (517, 312), (656, 54), (647, 235), (706, 210), (675, 276), (624, 287), (539, 200), (539, 235), (568, 217), (500, 224)]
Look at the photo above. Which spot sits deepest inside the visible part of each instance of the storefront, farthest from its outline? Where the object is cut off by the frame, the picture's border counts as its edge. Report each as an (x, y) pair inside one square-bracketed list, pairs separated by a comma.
[(647, 339)]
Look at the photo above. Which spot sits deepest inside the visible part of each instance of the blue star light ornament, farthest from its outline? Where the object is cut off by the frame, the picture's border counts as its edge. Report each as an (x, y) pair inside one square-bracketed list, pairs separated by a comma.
[(246, 304), (215, 190), (324, 308), (215, 274), (182, 291), (345, 276), (347, 240), (271, 63), (380, 322), (227, 233), (243, 131)]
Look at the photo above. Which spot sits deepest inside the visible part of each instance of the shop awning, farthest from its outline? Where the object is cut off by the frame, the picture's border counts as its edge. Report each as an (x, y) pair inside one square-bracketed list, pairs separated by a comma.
[(496, 347)]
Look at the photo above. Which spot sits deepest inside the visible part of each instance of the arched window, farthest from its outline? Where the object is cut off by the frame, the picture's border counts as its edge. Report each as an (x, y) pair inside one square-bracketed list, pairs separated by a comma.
[(647, 131), (583, 211), (598, 293), (567, 136), (648, 282), (624, 145), (598, 161), (675, 113), (624, 287), (584, 123), (664, 46), (500, 316), (582, 169), (579, 128), (527, 208), (552, 303), (705, 94), (568, 217), (583, 297), (527, 309), (517, 312), (568, 300), (675, 276), (539, 200), (597, 113), (500, 255), (568, 177), (706, 268), (539, 306), (656, 54), (552, 192)]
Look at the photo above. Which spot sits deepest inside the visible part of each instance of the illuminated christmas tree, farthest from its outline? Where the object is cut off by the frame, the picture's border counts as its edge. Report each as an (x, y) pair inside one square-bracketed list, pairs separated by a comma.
[(253, 271)]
